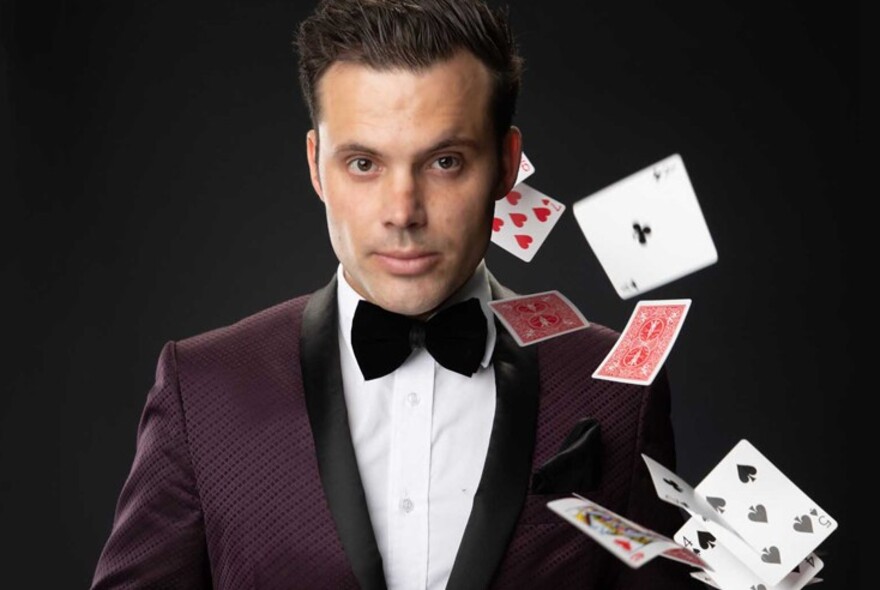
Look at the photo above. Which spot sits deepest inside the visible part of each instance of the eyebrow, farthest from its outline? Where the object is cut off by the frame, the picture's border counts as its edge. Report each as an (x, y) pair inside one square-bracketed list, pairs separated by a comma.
[(440, 145)]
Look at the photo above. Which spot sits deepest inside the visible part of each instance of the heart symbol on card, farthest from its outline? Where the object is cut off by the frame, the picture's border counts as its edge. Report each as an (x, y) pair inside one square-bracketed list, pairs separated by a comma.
[(746, 473), (706, 540), (624, 544), (803, 524), (716, 503), (545, 201), (497, 223), (524, 241), (758, 513), (771, 555), (513, 197), (518, 219), (542, 213)]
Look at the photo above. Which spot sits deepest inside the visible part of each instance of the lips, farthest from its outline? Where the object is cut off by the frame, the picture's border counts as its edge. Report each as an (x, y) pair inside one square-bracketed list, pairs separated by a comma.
[(407, 262)]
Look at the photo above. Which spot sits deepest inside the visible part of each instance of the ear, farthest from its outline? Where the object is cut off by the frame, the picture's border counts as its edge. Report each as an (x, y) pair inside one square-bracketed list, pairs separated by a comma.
[(312, 153), (511, 153)]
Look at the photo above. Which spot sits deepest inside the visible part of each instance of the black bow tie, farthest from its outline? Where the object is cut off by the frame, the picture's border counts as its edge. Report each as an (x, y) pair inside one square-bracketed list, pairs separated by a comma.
[(382, 340)]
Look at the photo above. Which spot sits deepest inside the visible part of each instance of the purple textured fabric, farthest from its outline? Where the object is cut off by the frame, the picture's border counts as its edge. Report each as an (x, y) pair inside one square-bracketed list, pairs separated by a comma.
[(224, 490)]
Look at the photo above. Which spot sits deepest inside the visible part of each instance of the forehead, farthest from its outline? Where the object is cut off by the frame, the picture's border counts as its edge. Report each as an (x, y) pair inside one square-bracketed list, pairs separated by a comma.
[(451, 96)]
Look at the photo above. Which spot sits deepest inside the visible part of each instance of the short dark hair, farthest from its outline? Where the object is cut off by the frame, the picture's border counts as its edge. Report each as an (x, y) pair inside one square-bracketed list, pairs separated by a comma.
[(413, 34)]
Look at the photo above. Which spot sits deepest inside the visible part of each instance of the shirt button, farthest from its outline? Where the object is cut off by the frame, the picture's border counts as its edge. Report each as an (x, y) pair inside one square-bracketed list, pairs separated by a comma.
[(407, 505), (413, 399)]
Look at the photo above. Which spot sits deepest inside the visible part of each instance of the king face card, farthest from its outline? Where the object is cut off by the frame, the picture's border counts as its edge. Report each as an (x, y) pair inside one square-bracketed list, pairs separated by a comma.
[(647, 229), (630, 542)]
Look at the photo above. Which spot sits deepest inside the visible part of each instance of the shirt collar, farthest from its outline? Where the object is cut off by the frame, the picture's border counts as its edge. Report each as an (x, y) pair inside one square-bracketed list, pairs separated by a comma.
[(477, 286)]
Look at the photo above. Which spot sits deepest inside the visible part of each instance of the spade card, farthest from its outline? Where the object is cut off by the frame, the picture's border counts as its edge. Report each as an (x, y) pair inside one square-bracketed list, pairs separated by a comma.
[(728, 572), (630, 542), (779, 524), (526, 169), (647, 229), (532, 318), (523, 220), (645, 342), (673, 489)]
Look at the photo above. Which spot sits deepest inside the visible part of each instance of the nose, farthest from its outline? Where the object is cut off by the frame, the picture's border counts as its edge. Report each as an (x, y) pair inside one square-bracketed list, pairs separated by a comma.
[(404, 205)]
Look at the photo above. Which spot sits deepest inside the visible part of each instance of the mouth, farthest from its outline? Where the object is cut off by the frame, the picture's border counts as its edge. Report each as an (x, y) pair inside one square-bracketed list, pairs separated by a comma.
[(407, 262)]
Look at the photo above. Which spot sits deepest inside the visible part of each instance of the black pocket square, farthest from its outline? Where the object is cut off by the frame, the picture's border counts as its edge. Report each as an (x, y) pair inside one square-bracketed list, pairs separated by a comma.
[(575, 468)]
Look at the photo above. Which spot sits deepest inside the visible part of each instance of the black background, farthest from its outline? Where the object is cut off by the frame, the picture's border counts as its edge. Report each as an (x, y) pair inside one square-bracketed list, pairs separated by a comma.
[(154, 154)]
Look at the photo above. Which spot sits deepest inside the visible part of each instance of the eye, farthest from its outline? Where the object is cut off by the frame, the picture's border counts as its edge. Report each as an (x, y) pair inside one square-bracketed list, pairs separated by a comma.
[(448, 162), (361, 165)]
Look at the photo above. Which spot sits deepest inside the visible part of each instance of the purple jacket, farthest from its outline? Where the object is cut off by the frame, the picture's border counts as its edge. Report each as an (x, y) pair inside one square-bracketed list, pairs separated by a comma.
[(245, 475)]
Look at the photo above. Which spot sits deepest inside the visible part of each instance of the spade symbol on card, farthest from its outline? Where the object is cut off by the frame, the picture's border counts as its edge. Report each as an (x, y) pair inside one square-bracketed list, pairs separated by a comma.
[(758, 513), (746, 473), (717, 503), (706, 540), (803, 524), (672, 483), (771, 555), (758, 587)]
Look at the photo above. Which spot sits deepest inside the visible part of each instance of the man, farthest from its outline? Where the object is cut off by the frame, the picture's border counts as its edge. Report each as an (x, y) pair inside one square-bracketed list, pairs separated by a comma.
[(290, 451)]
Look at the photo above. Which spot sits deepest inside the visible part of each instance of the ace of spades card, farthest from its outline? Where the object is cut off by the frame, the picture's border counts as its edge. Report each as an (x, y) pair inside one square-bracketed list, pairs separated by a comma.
[(523, 220)]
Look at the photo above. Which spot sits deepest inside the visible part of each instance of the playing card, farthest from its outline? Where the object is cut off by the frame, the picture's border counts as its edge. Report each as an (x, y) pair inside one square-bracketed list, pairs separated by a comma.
[(630, 542), (647, 229), (645, 342), (707, 579), (523, 220), (526, 169), (728, 572), (779, 524), (673, 489), (532, 318)]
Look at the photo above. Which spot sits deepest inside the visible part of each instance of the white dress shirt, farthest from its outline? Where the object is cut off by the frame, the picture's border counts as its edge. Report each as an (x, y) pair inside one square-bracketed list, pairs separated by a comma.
[(420, 437)]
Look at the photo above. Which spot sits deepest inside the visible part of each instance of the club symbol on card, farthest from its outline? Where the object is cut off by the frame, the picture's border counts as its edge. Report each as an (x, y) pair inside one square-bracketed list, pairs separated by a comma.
[(803, 524), (717, 503), (706, 540), (673, 484), (746, 473), (641, 233), (758, 513), (771, 555)]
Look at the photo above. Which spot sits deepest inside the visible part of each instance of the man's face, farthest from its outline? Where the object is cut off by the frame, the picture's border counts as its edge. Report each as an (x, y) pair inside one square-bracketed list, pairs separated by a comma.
[(408, 168)]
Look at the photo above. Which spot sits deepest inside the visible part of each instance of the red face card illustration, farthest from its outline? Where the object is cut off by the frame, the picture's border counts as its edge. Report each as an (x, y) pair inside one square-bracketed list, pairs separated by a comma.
[(645, 342), (532, 318)]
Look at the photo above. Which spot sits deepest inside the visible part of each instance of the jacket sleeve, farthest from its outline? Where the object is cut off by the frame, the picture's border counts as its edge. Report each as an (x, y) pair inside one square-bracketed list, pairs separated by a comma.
[(158, 535), (655, 438)]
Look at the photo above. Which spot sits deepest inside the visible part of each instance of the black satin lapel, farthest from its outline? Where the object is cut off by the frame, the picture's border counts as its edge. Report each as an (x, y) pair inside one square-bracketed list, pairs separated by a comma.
[(325, 402), (505, 480)]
